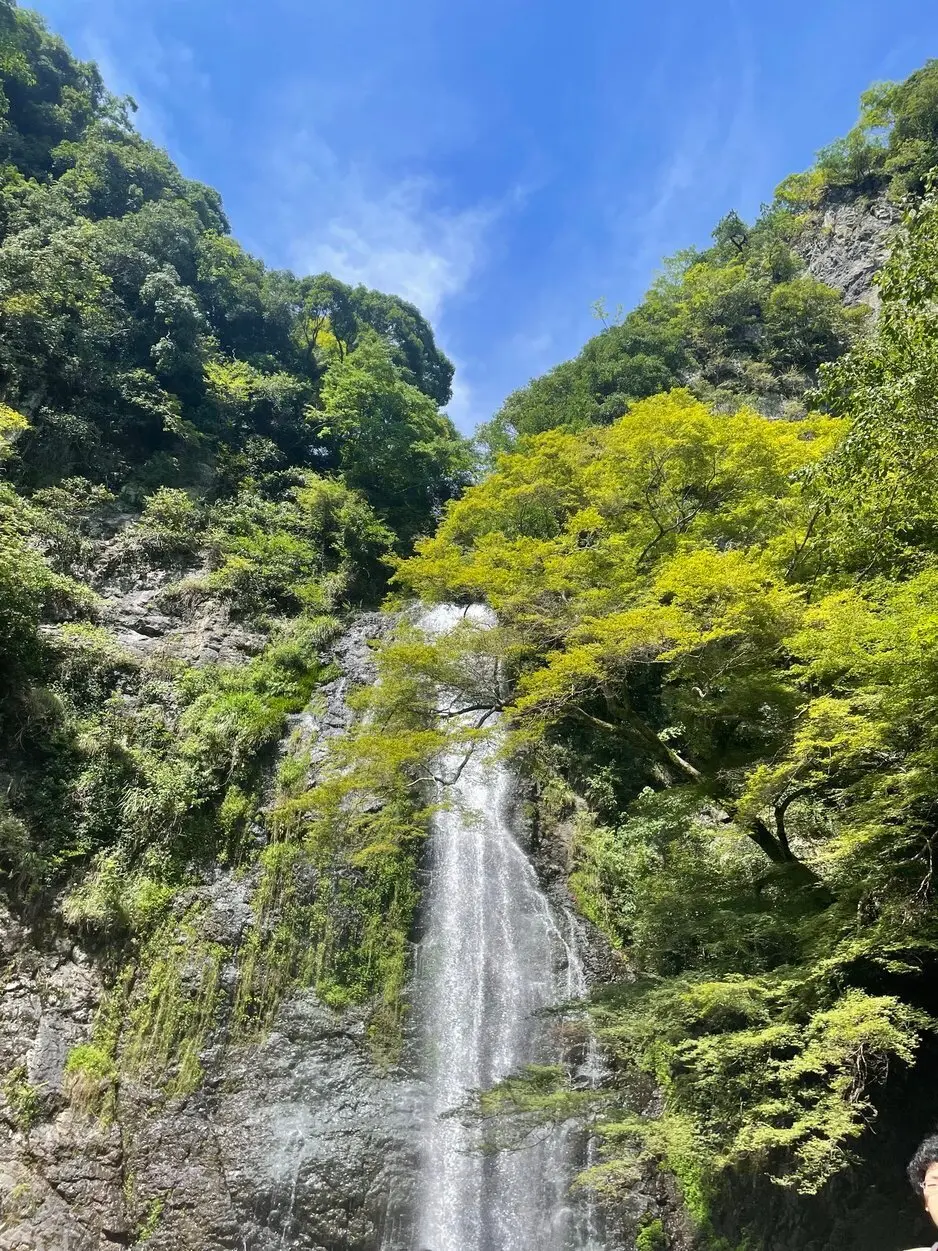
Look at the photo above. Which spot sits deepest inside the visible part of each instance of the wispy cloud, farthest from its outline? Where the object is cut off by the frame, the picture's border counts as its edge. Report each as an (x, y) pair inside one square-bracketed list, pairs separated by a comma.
[(389, 236), (403, 235), (716, 150), (155, 69), (464, 408)]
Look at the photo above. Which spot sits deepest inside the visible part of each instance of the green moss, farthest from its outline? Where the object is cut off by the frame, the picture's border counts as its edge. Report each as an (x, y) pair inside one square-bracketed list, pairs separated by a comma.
[(283, 949), (150, 1223), (335, 905), (156, 1018), (235, 813), (23, 1098), (293, 770), (90, 1061), (114, 901), (651, 1237), (344, 937), (90, 1080), (173, 1007)]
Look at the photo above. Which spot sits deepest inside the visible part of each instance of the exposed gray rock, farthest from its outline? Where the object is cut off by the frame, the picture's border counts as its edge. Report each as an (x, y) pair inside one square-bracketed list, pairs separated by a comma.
[(148, 622), (298, 1141), (158, 606), (300, 1137), (315, 1143), (846, 241), (61, 1182), (329, 715)]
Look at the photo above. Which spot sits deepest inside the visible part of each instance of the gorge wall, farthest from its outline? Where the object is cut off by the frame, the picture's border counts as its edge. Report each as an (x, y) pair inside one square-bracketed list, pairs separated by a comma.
[(251, 946), (295, 1140), (299, 1138), (846, 242)]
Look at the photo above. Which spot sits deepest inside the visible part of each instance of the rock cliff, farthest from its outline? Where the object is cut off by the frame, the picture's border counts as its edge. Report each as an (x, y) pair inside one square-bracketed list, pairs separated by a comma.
[(846, 240), (294, 1138)]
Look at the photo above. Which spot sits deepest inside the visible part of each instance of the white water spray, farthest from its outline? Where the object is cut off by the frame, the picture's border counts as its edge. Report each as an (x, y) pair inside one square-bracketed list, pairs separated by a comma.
[(493, 956)]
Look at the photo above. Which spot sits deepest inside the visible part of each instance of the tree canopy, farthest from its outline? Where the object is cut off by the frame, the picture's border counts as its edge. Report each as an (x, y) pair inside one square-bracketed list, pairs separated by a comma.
[(142, 343), (721, 634)]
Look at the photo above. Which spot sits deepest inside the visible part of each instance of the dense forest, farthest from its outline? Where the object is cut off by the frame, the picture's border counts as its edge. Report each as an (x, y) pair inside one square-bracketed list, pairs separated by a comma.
[(267, 443), (716, 605), (288, 430), (711, 545)]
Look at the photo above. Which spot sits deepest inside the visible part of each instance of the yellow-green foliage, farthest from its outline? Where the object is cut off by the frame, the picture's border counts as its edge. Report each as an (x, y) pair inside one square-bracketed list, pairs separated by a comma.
[(758, 1075), (661, 541), (12, 423), (90, 1080), (24, 1100), (745, 731)]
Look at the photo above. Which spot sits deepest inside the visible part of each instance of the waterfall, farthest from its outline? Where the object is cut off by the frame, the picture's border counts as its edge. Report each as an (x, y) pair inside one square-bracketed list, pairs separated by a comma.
[(493, 955)]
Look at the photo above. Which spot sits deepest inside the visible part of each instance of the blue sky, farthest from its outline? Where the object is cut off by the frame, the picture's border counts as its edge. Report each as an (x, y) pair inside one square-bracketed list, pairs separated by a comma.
[(502, 163)]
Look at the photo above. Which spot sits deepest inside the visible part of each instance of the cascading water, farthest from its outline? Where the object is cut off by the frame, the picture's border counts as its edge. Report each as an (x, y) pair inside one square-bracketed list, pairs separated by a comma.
[(493, 956)]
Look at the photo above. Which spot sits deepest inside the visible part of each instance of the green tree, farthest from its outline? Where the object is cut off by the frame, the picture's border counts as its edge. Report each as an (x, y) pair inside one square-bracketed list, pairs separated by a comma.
[(884, 513), (391, 442)]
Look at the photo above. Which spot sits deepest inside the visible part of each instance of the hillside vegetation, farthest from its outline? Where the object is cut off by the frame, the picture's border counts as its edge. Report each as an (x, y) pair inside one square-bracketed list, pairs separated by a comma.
[(722, 638), (254, 446), (711, 542), (742, 319)]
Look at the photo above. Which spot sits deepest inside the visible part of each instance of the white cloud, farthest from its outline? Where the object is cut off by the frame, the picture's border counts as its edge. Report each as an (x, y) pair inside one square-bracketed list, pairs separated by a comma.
[(716, 153), (463, 407), (362, 226), (365, 225), (393, 240)]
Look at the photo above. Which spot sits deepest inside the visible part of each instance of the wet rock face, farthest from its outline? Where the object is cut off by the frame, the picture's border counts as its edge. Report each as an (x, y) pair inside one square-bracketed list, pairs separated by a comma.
[(297, 1141), (60, 1175), (317, 1146), (846, 242)]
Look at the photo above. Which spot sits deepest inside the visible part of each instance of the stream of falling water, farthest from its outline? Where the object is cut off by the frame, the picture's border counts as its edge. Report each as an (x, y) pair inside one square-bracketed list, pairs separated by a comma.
[(493, 956)]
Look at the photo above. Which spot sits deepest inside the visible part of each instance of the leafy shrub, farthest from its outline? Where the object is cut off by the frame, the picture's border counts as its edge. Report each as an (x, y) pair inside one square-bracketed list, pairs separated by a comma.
[(320, 547), (25, 1101)]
